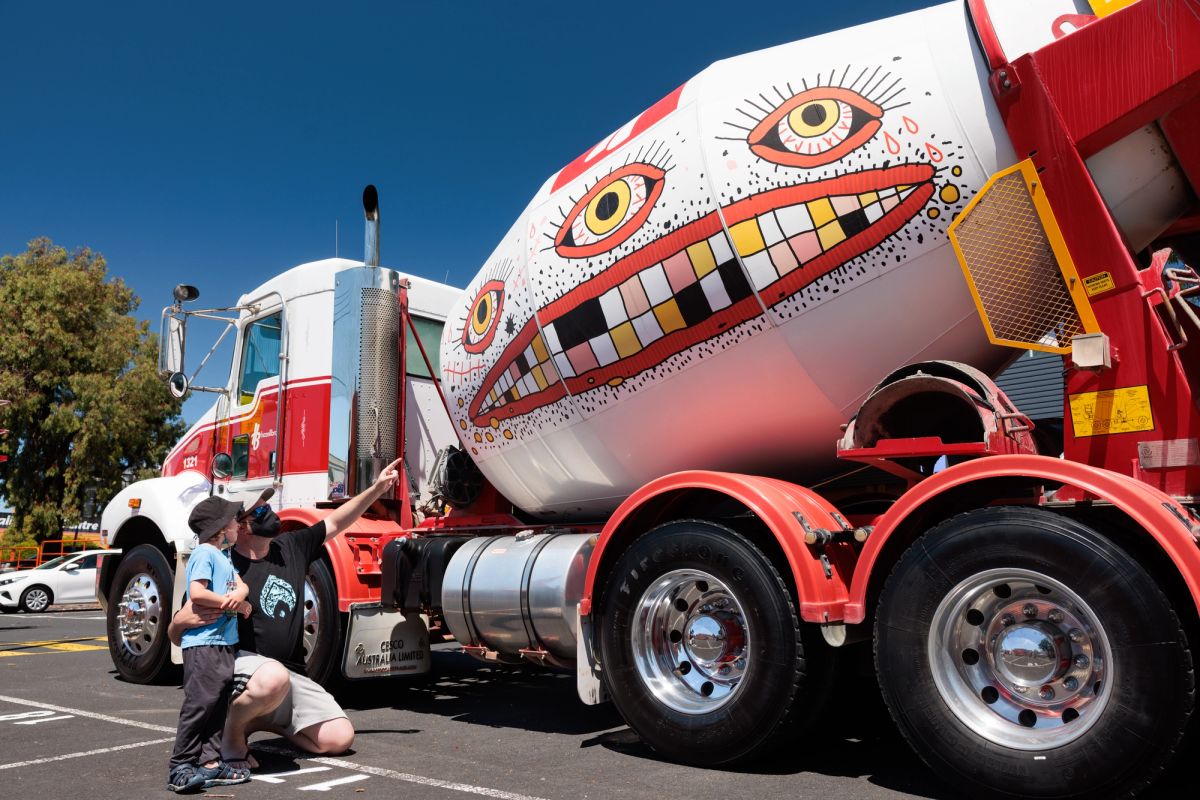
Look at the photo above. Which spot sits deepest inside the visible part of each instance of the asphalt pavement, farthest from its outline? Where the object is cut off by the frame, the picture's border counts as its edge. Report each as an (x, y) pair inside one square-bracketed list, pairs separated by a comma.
[(69, 727)]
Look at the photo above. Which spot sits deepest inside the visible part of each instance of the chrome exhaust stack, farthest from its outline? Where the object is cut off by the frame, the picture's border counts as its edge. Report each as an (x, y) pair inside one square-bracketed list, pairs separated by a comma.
[(371, 210), (364, 387)]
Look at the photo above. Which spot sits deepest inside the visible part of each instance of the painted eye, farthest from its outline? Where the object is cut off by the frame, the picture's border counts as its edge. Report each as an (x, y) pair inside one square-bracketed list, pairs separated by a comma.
[(815, 127), (484, 317), (610, 212)]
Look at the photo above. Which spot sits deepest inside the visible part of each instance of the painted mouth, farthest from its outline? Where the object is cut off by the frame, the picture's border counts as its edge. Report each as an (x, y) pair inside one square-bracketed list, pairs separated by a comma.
[(687, 286)]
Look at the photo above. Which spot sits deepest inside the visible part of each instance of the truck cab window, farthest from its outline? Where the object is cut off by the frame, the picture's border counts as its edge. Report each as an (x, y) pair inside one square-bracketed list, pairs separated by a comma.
[(260, 354), (241, 456), (430, 331)]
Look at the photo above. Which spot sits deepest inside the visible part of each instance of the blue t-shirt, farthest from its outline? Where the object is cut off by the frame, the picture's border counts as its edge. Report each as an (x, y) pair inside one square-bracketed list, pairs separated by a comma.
[(207, 563)]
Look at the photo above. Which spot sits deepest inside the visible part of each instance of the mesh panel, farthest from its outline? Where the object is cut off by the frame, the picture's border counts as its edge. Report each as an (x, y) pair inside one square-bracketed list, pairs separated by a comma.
[(1005, 249), (379, 360)]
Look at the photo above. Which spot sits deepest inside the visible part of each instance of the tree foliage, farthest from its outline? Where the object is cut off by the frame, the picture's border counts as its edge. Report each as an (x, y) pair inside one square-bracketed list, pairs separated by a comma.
[(81, 372)]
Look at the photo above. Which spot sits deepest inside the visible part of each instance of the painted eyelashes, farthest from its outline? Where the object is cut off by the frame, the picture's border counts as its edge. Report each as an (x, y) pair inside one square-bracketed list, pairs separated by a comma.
[(821, 124), (610, 211)]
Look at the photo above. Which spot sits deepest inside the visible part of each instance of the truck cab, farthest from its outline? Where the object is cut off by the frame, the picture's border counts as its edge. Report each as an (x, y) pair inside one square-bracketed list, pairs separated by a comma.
[(269, 427)]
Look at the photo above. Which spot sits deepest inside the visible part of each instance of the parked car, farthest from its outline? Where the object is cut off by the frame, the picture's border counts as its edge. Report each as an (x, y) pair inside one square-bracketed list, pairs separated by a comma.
[(66, 579)]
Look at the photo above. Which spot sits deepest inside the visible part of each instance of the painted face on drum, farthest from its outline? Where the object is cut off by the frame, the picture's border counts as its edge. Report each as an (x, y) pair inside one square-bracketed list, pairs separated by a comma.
[(715, 272)]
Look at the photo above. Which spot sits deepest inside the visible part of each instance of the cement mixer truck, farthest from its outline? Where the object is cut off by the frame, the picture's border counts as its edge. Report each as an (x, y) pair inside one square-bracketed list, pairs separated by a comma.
[(720, 408)]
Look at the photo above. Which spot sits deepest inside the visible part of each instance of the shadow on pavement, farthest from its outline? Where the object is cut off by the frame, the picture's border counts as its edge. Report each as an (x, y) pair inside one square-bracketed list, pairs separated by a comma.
[(858, 741)]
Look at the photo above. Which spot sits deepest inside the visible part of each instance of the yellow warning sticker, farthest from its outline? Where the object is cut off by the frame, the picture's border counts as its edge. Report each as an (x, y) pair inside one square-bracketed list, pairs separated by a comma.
[(1102, 8), (1111, 411), (1099, 283)]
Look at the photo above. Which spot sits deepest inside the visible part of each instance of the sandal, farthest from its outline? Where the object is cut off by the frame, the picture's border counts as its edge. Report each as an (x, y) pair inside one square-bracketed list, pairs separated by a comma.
[(223, 775), (185, 778)]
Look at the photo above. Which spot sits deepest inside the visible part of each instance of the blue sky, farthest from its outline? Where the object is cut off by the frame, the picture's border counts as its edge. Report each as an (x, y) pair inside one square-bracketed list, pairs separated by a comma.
[(217, 143)]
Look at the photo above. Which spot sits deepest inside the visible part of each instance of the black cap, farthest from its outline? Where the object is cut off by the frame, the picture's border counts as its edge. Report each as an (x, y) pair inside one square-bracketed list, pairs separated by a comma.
[(211, 515), (266, 495)]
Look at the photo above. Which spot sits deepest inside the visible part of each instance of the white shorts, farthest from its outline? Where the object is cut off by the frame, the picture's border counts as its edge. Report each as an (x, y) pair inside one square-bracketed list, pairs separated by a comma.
[(306, 704)]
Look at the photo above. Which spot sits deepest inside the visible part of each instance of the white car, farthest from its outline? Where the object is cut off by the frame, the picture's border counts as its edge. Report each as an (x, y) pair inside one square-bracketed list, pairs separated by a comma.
[(66, 579)]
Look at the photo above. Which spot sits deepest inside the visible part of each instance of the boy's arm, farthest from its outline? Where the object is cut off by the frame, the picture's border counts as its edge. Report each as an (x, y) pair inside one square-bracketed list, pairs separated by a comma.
[(200, 595)]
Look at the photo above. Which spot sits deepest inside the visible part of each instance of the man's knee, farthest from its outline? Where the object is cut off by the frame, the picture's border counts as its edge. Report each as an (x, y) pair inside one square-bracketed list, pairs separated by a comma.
[(332, 736), (268, 684)]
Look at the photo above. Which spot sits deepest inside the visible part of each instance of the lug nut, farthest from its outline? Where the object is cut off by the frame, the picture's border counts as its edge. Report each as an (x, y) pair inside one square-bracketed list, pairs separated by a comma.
[(1007, 619), (1076, 635), (706, 608), (724, 670), (1046, 693), (1070, 684), (1030, 610), (1055, 616), (1081, 661), (1020, 689), (740, 663)]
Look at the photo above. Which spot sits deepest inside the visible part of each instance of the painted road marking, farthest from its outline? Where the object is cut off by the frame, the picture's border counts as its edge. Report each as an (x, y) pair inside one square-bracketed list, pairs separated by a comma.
[(101, 751), (407, 777), (327, 785), (47, 646), (20, 701), (31, 717), (330, 762), (277, 777), (56, 616)]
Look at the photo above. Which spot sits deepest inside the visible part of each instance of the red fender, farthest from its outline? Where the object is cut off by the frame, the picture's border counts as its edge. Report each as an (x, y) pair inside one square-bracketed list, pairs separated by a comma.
[(776, 503), (1150, 508)]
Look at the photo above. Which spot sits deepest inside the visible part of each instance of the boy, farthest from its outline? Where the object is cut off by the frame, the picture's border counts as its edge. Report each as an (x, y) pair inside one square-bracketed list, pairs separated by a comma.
[(208, 651)]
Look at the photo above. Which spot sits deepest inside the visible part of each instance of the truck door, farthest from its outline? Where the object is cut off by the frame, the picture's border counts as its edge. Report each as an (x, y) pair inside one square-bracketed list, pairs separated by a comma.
[(251, 432)]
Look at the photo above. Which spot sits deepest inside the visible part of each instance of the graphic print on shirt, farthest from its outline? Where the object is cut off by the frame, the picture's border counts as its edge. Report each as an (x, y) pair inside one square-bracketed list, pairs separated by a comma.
[(274, 593)]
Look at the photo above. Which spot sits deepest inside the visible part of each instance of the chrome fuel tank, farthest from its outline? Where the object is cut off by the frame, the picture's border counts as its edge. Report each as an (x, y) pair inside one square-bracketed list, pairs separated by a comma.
[(518, 593)]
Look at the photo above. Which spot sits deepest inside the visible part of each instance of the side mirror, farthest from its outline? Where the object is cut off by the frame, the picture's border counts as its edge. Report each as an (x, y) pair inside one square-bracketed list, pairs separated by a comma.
[(222, 465), (177, 384), (171, 343)]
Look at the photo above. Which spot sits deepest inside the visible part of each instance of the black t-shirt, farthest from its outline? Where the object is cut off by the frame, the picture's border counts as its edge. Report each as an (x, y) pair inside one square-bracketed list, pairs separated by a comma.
[(276, 628)]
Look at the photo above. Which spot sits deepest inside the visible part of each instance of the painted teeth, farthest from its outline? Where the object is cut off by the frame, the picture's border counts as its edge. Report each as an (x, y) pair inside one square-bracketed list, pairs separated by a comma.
[(678, 292), (686, 289), (779, 241)]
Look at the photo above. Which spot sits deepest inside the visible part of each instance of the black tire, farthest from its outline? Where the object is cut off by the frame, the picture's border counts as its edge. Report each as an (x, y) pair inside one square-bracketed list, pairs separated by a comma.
[(1125, 738), (322, 660), (32, 599), (143, 655), (776, 693)]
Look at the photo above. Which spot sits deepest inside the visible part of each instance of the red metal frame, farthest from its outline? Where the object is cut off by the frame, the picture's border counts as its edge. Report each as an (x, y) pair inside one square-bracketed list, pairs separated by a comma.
[(1065, 102), (1145, 505)]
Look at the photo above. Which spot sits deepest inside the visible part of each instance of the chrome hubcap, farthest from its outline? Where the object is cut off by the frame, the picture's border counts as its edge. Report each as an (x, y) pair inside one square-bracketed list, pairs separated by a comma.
[(139, 614), (312, 618), (1020, 659), (37, 600), (691, 641)]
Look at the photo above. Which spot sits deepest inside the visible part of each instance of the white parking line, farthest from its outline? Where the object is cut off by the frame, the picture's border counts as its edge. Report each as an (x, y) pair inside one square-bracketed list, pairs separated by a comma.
[(407, 777), (327, 785), (278, 777), (53, 616), (101, 751), (20, 701)]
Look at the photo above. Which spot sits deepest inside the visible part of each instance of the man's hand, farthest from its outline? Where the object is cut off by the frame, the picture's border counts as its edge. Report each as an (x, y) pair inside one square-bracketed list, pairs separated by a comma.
[(388, 478), (345, 515), (191, 616)]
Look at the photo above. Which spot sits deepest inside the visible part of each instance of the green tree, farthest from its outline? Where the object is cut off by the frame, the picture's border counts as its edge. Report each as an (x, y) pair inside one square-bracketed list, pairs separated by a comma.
[(81, 372)]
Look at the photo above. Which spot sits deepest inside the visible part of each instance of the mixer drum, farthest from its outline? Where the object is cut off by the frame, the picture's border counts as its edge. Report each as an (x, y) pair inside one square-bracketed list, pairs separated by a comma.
[(514, 593)]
